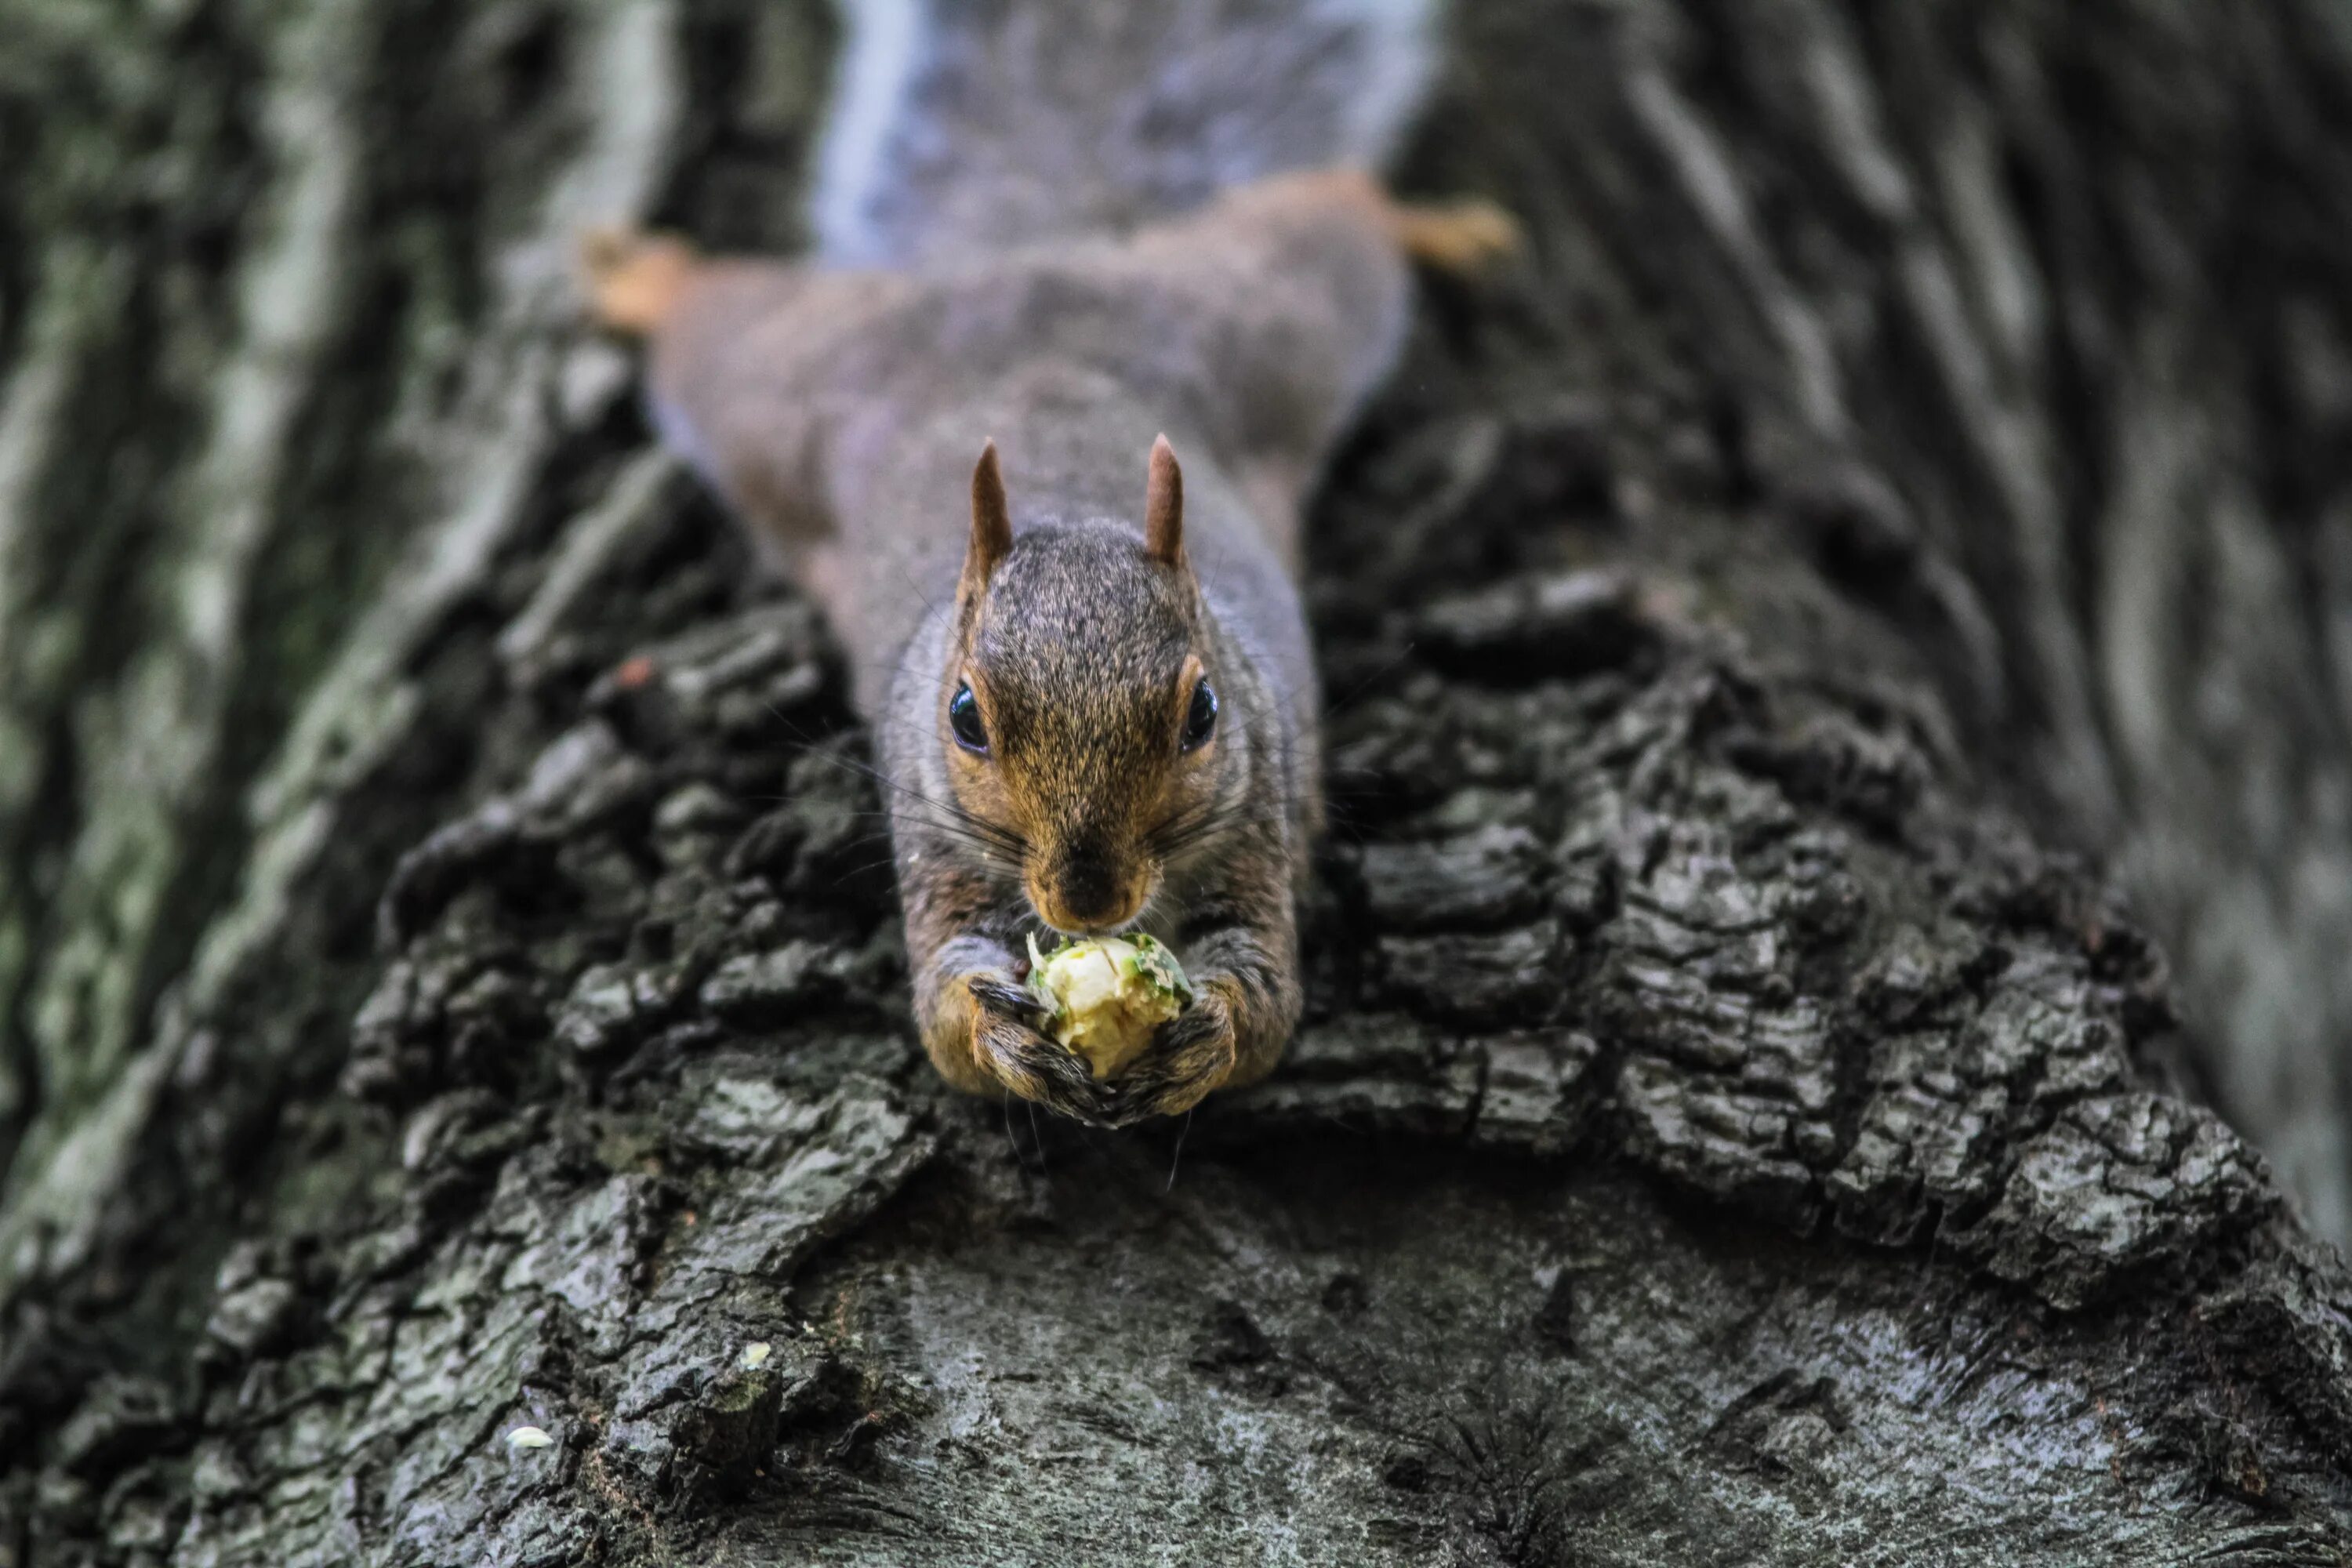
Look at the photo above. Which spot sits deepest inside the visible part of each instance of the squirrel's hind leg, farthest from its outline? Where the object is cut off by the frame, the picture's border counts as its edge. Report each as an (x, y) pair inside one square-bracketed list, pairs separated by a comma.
[(1463, 238), (635, 281)]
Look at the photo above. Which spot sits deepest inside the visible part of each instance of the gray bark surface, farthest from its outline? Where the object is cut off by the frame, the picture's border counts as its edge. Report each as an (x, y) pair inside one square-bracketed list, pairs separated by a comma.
[(449, 973)]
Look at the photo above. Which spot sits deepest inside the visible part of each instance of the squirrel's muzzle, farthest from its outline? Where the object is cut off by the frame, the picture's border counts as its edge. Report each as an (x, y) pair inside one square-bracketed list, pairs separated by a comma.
[(1088, 891)]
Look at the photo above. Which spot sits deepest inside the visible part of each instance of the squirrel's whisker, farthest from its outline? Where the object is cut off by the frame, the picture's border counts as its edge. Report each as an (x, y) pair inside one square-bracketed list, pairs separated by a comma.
[(951, 818)]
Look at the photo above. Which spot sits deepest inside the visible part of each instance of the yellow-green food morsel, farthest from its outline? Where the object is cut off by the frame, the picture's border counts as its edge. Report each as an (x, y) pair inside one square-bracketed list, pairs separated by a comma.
[(1105, 996)]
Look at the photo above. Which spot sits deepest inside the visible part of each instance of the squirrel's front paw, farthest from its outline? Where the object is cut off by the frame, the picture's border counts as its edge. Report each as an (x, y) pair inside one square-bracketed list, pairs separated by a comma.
[(1193, 1054), (1007, 1044)]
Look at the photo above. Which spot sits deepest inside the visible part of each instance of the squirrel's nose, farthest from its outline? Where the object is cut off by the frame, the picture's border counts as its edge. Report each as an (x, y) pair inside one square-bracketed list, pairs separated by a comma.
[(1086, 893), (1089, 890)]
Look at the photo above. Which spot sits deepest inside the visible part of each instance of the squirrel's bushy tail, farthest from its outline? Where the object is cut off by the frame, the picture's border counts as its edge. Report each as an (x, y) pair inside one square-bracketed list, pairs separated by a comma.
[(974, 124)]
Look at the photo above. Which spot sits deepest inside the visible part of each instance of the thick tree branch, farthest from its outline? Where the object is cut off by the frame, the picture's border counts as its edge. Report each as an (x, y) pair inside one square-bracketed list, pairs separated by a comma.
[(1722, 1129)]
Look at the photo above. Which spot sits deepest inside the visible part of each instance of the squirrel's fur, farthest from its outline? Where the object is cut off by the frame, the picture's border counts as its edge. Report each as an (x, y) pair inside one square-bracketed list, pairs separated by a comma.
[(1082, 587), (960, 126)]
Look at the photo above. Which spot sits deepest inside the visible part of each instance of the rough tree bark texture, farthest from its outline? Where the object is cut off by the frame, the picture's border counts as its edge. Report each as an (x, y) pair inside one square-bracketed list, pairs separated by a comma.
[(447, 966)]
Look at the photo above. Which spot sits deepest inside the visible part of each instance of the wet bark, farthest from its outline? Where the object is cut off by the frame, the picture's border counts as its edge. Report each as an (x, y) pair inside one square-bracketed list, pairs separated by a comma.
[(448, 973)]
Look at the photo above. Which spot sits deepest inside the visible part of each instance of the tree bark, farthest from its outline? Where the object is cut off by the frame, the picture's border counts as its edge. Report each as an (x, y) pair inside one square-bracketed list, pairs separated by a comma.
[(448, 977)]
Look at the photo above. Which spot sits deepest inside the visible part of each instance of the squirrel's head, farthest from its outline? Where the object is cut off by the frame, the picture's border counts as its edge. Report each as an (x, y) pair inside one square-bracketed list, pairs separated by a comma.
[(1079, 713)]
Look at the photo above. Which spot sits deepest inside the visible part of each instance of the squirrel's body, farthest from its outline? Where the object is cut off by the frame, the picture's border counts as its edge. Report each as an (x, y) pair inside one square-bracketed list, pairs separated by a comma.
[(836, 409), (1089, 713)]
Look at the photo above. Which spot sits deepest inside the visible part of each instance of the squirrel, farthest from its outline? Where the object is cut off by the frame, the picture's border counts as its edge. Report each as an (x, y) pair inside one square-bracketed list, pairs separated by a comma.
[(1039, 450)]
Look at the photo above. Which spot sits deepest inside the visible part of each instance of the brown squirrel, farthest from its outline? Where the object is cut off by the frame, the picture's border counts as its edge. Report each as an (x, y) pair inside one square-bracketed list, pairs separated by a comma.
[(1093, 700)]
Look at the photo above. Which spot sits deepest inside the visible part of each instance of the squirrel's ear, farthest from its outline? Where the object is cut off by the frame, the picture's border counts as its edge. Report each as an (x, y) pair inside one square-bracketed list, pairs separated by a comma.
[(1163, 507), (992, 521)]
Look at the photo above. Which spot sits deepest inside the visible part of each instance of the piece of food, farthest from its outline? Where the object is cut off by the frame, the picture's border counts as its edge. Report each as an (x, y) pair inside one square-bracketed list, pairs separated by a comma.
[(1105, 996)]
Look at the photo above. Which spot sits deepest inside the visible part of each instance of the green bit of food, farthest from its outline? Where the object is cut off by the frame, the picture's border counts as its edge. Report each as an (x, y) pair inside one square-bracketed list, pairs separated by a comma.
[(1105, 996)]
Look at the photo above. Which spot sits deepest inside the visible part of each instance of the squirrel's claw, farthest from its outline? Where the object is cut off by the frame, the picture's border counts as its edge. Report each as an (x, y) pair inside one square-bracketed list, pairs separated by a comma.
[(1007, 1044), (1192, 1055)]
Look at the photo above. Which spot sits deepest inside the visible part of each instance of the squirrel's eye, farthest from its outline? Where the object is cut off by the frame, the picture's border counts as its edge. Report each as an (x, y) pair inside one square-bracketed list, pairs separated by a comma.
[(1201, 718), (963, 718)]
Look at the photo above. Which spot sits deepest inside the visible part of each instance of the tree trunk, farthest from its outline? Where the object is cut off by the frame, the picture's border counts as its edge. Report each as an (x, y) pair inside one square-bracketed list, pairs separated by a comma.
[(448, 977)]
